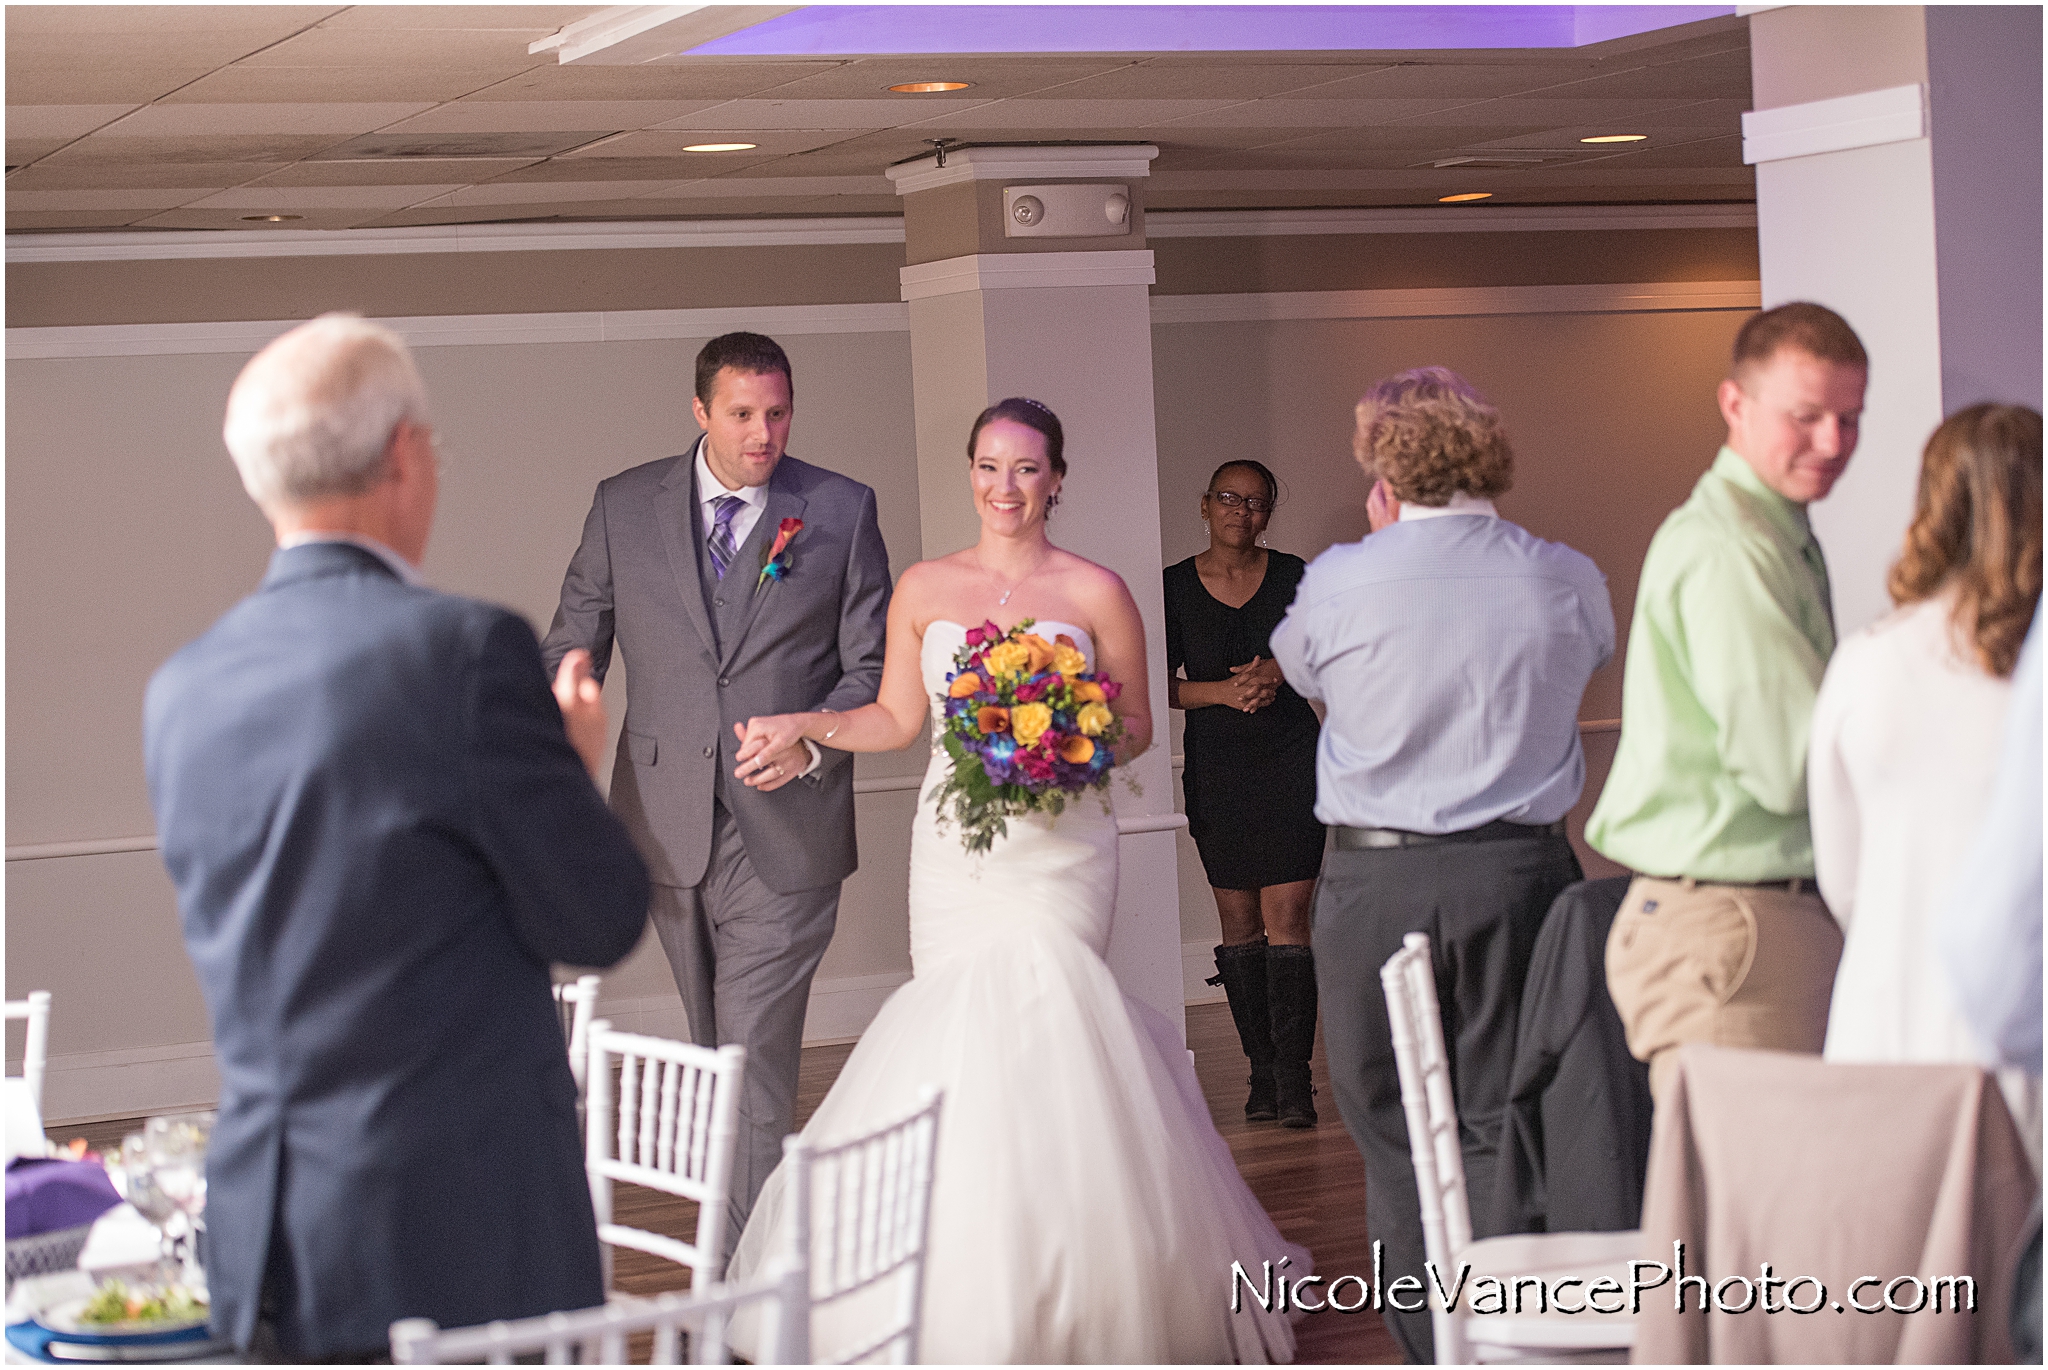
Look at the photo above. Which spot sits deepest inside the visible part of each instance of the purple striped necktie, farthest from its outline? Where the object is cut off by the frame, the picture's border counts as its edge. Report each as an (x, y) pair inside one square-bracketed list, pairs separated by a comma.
[(723, 511)]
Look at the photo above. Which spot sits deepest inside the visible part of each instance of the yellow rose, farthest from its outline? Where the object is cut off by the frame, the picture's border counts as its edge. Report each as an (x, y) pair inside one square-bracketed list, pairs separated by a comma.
[(1028, 722), (1007, 658), (1068, 661), (1093, 718)]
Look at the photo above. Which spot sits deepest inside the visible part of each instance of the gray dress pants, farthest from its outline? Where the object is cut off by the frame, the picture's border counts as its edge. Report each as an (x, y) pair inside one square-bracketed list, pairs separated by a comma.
[(743, 957), (1482, 904)]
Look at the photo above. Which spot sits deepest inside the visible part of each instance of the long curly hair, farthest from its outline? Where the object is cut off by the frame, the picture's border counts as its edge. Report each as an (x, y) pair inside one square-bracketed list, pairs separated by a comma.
[(1429, 435), (1977, 529)]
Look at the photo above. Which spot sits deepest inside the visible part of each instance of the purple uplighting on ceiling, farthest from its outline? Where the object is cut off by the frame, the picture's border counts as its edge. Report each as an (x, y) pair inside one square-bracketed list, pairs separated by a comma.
[(853, 30)]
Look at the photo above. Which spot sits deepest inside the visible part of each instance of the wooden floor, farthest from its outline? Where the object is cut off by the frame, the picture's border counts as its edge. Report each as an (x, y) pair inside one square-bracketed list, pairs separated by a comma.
[(1310, 1180)]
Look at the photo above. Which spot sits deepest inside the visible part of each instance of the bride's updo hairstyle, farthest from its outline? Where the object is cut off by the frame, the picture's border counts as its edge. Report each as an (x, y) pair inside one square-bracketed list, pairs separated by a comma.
[(1032, 415)]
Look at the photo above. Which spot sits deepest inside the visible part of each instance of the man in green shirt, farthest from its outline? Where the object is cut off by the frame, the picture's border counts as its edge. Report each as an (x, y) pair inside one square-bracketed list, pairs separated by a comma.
[(1722, 938)]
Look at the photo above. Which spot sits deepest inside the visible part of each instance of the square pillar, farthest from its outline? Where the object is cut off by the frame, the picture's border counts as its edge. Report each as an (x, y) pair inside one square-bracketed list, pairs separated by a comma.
[(1065, 320)]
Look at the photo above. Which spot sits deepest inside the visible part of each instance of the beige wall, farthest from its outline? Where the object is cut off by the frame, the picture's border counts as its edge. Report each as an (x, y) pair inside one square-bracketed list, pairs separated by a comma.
[(127, 532)]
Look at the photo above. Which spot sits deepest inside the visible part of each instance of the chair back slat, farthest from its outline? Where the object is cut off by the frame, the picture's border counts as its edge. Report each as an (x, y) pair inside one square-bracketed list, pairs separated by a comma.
[(35, 1047), (597, 1336), (576, 1005), (676, 1124), (860, 1211)]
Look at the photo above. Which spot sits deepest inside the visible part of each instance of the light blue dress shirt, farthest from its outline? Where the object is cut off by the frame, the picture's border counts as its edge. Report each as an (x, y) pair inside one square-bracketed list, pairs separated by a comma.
[(1992, 935), (1451, 652)]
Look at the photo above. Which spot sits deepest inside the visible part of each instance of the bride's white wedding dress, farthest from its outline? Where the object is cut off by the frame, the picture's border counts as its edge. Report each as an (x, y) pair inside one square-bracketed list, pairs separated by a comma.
[(1084, 1208)]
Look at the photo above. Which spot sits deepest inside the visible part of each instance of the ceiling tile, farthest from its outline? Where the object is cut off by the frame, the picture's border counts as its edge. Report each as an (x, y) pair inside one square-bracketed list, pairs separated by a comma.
[(95, 84), (185, 121), (542, 192), (1222, 80), (815, 114), (401, 172), (197, 148), (443, 145), (990, 77), (546, 18), (660, 81), (1553, 113), (60, 121), (55, 175), (656, 170), (101, 200), (1294, 113), (297, 199), (57, 221), (1452, 81), (365, 47), (546, 116), (1074, 114), (1705, 79), (265, 85), (267, 22), (726, 187), (233, 219), (24, 150), (671, 144)]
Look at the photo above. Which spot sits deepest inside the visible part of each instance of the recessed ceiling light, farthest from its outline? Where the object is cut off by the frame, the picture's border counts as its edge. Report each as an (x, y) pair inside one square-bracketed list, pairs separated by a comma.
[(271, 218), (720, 147), (1461, 199), (929, 87), (1616, 138)]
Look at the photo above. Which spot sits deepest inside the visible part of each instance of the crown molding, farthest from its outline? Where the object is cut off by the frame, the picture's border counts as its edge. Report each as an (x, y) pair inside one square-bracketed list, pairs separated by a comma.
[(1458, 302), (25, 248), (955, 166), (316, 242), (1280, 223), (1873, 118)]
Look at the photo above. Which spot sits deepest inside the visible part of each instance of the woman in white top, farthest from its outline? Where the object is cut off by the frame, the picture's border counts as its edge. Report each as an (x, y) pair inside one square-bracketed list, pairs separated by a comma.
[(1905, 740)]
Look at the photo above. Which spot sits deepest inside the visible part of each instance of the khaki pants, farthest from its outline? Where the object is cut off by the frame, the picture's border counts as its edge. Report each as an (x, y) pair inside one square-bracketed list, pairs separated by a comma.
[(1735, 965)]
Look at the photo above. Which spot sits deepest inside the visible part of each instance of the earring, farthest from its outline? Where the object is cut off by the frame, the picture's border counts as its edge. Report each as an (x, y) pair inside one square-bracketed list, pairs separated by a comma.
[(1262, 539)]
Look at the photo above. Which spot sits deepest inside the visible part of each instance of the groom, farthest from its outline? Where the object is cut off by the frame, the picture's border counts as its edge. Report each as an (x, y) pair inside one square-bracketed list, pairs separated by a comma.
[(738, 582)]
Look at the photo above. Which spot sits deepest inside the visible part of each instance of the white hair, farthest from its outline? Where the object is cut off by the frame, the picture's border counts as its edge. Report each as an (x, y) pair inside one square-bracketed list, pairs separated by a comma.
[(312, 414)]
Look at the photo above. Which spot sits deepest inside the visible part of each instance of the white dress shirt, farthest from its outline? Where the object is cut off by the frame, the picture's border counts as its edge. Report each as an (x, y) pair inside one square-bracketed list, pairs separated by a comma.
[(710, 489)]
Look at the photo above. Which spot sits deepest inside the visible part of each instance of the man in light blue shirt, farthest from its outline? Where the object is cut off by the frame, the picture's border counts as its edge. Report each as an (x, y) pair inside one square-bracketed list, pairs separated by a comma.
[(1451, 649)]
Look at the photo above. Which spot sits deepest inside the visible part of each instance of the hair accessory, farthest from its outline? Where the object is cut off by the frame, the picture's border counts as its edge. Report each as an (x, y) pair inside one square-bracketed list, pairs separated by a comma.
[(1043, 409)]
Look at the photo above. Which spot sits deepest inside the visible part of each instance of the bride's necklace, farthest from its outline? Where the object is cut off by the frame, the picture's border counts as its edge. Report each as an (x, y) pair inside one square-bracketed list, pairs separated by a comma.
[(1005, 599)]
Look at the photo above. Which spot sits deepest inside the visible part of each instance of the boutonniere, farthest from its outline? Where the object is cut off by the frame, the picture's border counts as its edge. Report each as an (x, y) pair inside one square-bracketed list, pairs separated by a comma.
[(777, 565)]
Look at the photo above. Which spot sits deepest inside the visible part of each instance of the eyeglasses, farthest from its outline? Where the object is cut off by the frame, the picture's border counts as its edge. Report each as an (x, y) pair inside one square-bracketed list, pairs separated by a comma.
[(1230, 499)]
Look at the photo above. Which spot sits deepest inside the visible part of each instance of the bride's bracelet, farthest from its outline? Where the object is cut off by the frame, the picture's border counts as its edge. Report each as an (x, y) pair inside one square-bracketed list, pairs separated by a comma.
[(835, 724)]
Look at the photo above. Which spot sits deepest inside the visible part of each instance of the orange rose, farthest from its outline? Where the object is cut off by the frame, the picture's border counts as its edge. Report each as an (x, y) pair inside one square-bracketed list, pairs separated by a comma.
[(991, 719), (1088, 692), (1041, 653), (964, 684), (1076, 750)]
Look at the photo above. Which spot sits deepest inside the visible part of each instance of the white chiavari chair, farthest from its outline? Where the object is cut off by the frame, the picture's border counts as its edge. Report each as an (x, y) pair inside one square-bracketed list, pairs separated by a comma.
[(24, 1102), (669, 1123), (861, 1209), (576, 1003), (1432, 1109)]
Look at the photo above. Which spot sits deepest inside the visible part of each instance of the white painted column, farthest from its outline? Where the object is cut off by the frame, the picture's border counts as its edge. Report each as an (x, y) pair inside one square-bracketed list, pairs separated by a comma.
[(1066, 321), (1898, 156)]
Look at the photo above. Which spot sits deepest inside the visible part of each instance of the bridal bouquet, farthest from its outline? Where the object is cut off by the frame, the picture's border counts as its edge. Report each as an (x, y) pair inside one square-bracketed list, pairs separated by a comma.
[(1027, 724)]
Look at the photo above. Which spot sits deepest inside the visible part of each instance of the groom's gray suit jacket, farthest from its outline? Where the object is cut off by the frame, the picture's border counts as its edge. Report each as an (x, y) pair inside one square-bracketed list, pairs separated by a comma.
[(706, 653)]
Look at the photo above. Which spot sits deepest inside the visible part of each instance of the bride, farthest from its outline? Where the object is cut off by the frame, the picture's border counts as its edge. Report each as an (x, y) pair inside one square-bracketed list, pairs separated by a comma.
[(1084, 1208)]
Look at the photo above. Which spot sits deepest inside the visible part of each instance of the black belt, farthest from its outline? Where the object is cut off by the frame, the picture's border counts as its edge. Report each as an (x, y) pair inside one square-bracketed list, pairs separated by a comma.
[(1798, 884), (1383, 839)]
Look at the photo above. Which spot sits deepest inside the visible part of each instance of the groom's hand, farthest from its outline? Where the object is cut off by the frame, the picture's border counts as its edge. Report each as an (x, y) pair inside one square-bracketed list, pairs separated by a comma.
[(770, 754)]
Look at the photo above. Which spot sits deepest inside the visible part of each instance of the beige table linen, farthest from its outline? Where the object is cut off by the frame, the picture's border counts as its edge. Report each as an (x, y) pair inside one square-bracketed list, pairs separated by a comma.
[(1834, 1171)]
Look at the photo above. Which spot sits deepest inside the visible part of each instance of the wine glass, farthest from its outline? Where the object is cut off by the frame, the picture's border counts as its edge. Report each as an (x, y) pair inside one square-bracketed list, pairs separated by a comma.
[(174, 1152)]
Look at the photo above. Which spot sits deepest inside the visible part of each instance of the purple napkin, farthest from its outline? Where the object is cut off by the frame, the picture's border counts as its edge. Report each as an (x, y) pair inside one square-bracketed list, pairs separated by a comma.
[(49, 1196)]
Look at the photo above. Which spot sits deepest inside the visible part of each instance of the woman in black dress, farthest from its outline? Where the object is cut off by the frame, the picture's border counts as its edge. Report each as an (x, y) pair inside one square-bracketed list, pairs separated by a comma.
[(1250, 782)]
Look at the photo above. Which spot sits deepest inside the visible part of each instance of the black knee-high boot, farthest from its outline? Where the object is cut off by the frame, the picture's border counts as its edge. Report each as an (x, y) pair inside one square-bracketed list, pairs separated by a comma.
[(1241, 970), (1291, 990)]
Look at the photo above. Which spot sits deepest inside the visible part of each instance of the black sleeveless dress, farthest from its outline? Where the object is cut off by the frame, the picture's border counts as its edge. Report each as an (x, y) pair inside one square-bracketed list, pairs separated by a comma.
[(1250, 778)]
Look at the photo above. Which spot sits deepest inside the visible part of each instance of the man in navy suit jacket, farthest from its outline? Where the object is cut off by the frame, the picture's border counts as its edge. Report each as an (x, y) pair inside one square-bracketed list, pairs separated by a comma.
[(382, 830)]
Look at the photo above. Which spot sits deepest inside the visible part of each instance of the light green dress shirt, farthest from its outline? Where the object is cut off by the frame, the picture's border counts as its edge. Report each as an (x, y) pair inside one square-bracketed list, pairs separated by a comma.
[(1733, 629)]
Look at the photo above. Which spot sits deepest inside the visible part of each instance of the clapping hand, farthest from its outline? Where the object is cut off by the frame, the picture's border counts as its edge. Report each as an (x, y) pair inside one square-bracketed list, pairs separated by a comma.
[(772, 751)]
